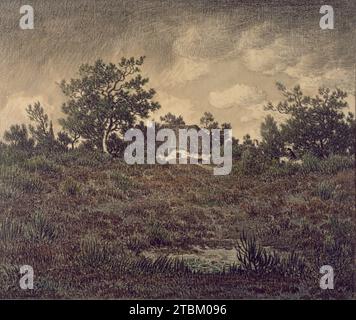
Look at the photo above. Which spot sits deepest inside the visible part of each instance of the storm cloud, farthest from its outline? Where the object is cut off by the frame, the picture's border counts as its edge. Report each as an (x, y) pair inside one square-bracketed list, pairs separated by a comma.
[(217, 56)]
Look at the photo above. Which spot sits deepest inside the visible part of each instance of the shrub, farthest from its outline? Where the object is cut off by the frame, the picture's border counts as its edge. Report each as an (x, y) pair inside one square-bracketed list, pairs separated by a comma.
[(92, 158), (70, 187), (42, 164), (337, 251), (10, 230), (121, 181), (283, 169), (41, 228), (336, 163), (14, 177), (11, 156), (255, 259), (324, 190), (251, 162), (28, 183), (254, 207), (310, 163), (158, 235), (93, 252)]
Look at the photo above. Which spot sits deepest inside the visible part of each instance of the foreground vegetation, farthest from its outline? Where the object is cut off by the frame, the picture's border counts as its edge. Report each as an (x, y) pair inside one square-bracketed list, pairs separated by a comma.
[(94, 227)]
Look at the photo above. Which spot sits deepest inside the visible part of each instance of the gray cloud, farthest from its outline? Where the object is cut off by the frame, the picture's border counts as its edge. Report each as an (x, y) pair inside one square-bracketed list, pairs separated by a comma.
[(195, 50)]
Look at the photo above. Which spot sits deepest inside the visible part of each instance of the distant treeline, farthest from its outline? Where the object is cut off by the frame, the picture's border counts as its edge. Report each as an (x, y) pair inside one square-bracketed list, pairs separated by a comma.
[(107, 99)]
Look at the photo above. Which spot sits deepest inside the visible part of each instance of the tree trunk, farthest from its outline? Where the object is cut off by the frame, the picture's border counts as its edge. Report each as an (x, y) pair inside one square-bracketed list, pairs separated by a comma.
[(105, 140)]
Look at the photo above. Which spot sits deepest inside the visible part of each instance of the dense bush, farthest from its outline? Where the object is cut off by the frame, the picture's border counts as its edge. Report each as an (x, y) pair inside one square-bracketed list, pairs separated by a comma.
[(310, 163), (11, 156), (336, 163)]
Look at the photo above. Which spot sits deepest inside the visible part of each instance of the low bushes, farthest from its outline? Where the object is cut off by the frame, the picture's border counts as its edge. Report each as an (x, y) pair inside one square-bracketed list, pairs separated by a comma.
[(70, 187), (43, 165), (253, 258), (93, 252)]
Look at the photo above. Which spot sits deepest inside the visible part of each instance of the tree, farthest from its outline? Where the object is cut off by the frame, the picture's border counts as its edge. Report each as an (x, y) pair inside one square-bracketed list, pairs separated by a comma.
[(272, 142), (247, 142), (315, 125), (42, 132), (170, 120), (351, 133), (207, 121), (106, 99), (63, 140), (18, 137), (70, 130)]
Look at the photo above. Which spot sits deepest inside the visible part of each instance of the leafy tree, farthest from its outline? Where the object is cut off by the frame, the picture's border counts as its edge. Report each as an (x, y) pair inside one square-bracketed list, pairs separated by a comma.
[(18, 137), (116, 145), (170, 120), (272, 142), (315, 125), (106, 99), (71, 130)]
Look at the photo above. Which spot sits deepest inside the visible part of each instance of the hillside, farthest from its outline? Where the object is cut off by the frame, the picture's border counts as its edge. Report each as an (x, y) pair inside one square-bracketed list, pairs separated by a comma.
[(92, 226)]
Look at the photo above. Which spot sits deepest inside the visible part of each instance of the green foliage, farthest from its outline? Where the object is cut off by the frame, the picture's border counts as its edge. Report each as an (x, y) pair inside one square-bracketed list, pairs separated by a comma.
[(12, 156), (330, 165), (81, 157)]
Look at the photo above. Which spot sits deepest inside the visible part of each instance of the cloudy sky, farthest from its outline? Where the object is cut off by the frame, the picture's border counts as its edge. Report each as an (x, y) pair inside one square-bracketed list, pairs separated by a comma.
[(202, 55)]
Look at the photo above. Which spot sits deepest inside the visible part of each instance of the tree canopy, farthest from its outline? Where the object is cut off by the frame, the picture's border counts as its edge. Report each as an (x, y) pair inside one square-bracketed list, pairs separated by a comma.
[(106, 99), (315, 124)]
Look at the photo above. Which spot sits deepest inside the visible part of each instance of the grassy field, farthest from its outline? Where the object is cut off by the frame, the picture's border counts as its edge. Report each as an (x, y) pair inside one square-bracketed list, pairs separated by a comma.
[(95, 227)]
